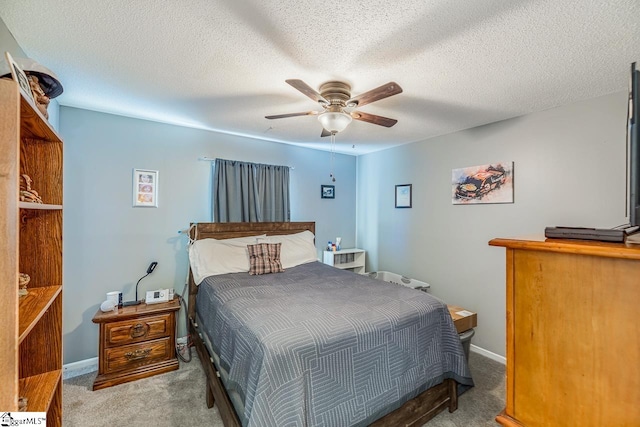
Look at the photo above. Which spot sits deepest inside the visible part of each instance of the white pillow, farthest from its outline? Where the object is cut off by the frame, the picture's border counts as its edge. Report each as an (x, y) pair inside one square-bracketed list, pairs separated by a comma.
[(210, 257), (296, 248)]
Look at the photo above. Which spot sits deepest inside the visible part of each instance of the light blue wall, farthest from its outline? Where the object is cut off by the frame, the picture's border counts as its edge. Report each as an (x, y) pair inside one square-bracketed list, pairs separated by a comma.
[(8, 43), (108, 244), (569, 170)]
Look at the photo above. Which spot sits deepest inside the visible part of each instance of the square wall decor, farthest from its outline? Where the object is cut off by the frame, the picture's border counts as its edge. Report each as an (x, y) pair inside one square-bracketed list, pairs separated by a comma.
[(328, 191)]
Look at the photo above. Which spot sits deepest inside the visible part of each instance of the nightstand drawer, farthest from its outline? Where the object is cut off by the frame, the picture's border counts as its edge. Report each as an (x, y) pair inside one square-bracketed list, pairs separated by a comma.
[(131, 356), (137, 330)]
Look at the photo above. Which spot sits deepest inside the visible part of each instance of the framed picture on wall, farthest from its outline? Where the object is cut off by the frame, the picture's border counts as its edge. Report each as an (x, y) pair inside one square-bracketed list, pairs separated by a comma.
[(328, 191), (19, 76), (490, 183), (403, 196), (145, 188)]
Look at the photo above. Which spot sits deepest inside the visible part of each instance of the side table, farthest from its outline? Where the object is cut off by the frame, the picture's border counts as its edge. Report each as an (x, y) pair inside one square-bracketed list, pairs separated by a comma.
[(136, 342)]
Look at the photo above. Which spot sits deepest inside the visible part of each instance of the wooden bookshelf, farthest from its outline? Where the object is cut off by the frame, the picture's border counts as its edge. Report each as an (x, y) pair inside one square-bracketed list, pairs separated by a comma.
[(40, 390), (31, 332), (33, 307)]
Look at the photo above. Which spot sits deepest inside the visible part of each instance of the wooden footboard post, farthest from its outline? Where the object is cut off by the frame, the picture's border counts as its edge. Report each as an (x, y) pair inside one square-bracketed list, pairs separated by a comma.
[(210, 399), (453, 395), (191, 330), (193, 288), (215, 391), (203, 355)]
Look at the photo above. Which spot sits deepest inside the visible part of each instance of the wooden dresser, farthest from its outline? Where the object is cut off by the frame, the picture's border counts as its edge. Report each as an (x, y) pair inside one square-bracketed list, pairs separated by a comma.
[(136, 342), (573, 339)]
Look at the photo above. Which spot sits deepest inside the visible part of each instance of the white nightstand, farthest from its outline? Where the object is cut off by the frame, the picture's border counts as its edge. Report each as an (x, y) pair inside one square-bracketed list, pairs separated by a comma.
[(346, 259)]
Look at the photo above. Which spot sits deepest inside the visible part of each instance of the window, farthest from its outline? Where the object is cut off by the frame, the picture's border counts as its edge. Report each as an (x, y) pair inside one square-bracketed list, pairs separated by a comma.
[(250, 192)]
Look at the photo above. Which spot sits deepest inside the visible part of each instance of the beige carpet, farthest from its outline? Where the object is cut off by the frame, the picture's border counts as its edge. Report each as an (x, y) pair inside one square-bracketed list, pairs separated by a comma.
[(177, 399)]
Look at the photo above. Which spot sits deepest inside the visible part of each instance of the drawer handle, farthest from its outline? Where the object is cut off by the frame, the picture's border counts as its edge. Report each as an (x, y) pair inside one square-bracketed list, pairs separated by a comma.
[(139, 330), (138, 354)]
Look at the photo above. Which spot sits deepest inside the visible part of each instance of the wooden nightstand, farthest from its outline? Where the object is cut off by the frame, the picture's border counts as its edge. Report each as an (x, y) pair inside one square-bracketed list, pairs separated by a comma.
[(136, 342)]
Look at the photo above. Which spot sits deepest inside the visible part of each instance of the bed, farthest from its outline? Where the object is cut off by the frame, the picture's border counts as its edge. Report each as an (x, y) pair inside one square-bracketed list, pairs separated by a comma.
[(318, 346)]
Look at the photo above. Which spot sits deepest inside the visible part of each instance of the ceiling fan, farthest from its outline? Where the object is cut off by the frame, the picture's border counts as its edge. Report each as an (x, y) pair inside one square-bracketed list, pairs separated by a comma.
[(338, 107)]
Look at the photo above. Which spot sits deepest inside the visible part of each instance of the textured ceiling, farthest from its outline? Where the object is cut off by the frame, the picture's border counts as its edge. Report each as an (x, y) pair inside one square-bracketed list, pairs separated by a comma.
[(222, 64)]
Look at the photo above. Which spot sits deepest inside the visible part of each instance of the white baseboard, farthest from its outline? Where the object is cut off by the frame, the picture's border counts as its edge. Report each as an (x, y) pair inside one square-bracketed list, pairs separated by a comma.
[(486, 353), (80, 367)]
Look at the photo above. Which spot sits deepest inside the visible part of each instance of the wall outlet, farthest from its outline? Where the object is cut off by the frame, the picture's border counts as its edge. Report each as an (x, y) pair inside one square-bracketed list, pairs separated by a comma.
[(181, 340)]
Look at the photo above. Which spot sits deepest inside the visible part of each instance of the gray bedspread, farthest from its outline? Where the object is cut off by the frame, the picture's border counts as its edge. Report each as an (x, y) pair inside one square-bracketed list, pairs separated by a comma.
[(319, 346)]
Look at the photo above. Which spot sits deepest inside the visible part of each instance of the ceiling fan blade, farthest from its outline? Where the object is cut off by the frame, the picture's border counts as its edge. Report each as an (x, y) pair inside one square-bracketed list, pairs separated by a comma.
[(372, 118), (384, 91), (282, 116), (325, 133), (307, 90)]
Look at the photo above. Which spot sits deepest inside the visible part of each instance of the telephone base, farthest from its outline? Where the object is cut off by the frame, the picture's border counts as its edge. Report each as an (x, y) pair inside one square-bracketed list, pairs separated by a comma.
[(128, 303)]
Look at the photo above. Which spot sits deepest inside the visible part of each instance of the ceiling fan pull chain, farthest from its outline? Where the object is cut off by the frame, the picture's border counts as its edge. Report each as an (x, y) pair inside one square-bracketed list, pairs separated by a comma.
[(333, 142)]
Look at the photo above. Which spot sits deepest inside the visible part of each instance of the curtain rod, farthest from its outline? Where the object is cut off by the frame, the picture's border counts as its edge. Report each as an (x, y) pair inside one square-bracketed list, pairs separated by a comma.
[(212, 159)]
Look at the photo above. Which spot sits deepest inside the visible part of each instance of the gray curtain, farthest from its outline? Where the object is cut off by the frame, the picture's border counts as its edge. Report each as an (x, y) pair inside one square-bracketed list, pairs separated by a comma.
[(250, 192)]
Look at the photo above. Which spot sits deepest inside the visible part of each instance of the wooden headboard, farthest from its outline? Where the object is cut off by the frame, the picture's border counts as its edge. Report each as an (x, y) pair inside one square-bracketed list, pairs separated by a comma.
[(230, 230)]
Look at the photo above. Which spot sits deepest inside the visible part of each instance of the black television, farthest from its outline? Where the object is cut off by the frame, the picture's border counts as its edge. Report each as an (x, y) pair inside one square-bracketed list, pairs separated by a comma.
[(633, 148)]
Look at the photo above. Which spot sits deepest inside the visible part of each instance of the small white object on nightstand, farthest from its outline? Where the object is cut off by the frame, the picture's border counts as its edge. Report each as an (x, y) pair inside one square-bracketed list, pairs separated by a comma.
[(108, 305)]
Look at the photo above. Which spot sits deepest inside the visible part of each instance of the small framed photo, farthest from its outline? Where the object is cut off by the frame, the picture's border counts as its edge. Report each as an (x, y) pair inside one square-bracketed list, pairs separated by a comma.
[(145, 188), (328, 191), (403, 196), (19, 76)]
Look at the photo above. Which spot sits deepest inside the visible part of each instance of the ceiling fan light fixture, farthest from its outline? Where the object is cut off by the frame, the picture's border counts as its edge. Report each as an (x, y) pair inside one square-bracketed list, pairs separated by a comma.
[(334, 122)]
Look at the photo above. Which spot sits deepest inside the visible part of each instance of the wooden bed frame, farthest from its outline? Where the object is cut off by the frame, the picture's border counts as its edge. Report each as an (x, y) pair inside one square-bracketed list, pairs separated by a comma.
[(413, 413)]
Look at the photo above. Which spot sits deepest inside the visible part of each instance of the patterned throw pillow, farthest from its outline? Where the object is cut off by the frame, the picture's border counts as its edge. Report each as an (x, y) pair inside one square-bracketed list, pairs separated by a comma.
[(264, 258)]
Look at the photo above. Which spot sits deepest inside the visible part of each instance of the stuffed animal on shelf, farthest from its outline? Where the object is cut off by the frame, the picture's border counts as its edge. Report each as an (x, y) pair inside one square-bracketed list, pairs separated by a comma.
[(22, 404), (42, 100), (27, 194), (23, 281)]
